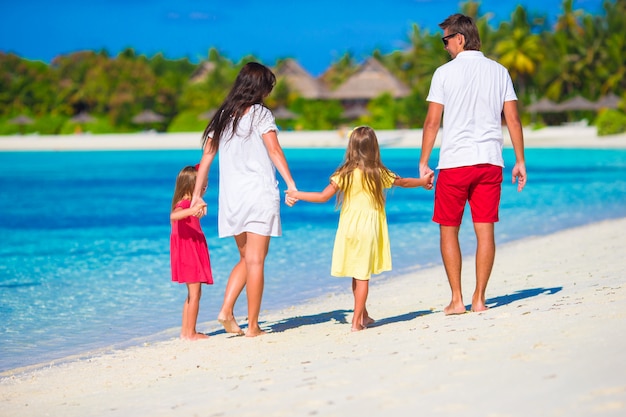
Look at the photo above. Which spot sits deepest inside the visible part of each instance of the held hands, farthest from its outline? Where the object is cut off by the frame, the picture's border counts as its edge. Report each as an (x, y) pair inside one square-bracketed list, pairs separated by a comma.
[(429, 175), (200, 210), (430, 180), (290, 198), (199, 202)]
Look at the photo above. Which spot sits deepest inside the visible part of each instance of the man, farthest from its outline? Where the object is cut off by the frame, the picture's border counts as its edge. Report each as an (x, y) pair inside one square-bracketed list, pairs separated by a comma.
[(471, 92)]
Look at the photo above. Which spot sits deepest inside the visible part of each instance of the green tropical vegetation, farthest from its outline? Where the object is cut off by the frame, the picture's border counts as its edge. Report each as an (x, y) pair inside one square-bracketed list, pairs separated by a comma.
[(578, 55)]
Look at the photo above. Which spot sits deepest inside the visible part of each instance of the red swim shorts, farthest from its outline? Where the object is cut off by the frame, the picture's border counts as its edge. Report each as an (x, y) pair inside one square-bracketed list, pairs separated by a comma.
[(481, 185)]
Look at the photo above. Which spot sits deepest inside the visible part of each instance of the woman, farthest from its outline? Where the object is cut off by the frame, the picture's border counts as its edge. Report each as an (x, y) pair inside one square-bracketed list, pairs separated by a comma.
[(244, 132)]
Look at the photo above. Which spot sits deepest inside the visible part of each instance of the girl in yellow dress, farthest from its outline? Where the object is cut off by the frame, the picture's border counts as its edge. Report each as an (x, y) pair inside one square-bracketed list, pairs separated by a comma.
[(362, 240)]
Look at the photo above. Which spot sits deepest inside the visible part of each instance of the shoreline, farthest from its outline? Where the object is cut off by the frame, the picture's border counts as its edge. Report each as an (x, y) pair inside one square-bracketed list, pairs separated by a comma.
[(548, 137), (548, 346)]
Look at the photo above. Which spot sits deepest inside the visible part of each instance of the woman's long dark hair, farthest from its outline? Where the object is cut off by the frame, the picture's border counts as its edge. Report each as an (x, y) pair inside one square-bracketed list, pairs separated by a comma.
[(254, 82)]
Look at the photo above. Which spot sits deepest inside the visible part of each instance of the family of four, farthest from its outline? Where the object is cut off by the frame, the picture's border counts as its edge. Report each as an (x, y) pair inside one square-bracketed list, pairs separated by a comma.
[(469, 95)]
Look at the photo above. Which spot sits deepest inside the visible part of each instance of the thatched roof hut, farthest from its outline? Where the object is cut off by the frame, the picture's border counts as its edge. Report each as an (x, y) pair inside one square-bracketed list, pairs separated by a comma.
[(82, 117), (299, 80), (283, 113), (544, 105), (202, 72), (609, 101), (370, 81), (147, 116), (21, 120), (577, 103)]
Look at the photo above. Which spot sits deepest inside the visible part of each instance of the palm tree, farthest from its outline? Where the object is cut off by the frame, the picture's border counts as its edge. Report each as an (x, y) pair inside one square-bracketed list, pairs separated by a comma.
[(340, 71), (613, 46), (415, 66), (564, 70), (519, 50)]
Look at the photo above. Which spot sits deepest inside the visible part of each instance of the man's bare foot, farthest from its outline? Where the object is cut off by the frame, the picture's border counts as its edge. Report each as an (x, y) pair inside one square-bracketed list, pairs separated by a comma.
[(454, 309), (230, 325), (479, 307)]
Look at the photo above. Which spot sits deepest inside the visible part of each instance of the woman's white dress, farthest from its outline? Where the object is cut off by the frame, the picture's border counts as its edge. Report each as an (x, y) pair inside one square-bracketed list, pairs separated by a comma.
[(249, 199)]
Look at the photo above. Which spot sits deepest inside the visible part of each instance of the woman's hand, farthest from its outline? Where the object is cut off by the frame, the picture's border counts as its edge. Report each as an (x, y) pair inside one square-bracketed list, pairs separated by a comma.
[(198, 201)]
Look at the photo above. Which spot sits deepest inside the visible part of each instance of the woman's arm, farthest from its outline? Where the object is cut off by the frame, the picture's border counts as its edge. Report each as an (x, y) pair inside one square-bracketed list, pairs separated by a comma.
[(278, 158), (315, 197), (203, 172)]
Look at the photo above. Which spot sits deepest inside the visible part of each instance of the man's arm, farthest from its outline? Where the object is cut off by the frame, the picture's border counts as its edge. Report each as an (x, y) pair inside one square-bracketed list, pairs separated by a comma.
[(514, 125), (429, 135)]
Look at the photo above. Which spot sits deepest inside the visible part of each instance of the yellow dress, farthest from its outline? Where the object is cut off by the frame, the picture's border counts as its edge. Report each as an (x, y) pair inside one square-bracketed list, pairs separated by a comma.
[(362, 240)]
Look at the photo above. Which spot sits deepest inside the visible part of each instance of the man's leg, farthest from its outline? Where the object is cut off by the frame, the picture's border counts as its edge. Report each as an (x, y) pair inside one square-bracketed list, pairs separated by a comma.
[(452, 261), (485, 255)]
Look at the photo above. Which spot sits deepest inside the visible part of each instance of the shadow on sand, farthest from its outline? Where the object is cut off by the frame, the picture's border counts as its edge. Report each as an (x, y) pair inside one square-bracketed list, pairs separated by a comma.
[(503, 300), (295, 322), (340, 316), (402, 317)]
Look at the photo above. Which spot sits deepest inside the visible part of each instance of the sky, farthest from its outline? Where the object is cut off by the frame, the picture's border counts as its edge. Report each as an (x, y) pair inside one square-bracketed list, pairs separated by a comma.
[(314, 32)]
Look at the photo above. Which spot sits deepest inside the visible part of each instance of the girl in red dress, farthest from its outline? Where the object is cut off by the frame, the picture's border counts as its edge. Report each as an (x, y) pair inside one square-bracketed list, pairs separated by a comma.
[(188, 250)]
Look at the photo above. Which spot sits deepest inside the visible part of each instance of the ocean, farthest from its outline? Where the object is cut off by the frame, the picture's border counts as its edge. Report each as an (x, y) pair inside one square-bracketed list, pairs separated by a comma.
[(84, 248)]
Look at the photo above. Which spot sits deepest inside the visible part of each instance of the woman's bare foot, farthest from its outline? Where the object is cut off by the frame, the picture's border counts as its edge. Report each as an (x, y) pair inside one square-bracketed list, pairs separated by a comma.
[(452, 309), (254, 332), (230, 325), (357, 329), (194, 336)]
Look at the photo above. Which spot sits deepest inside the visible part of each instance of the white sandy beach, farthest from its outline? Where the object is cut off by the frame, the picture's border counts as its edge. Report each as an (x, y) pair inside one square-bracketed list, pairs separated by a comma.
[(577, 136), (551, 345)]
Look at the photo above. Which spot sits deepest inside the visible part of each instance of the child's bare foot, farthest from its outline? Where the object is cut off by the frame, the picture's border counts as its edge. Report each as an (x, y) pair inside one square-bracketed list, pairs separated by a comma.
[(452, 309), (230, 325)]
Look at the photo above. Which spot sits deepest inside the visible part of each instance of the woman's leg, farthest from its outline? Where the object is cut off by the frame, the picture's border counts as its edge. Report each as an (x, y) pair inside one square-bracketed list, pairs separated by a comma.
[(255, 253), (234, 286)]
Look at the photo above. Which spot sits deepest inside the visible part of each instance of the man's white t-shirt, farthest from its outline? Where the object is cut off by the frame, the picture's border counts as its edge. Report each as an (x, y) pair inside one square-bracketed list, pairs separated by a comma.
[(472, 89)]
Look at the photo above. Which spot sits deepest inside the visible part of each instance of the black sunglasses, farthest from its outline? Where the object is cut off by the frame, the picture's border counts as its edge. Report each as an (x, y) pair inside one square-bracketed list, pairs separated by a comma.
[(445, 38)]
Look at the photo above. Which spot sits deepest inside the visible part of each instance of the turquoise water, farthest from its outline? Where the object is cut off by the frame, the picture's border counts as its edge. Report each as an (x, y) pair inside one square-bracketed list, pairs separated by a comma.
[(84, 248)]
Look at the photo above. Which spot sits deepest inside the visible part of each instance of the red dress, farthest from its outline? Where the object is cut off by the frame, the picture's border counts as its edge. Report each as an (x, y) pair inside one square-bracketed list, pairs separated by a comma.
[(189, 253)]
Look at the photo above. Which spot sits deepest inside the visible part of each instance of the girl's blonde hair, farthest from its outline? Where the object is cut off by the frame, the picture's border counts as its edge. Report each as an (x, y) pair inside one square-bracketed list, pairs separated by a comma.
[(363, 153), (185, 183)]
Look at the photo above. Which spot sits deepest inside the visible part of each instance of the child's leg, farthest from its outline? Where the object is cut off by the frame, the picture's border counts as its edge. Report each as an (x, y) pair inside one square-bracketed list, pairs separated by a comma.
[(190, 313), (360, 288), (366, 320)]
